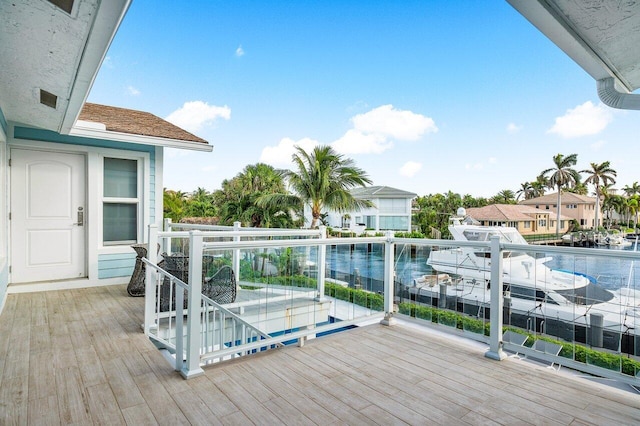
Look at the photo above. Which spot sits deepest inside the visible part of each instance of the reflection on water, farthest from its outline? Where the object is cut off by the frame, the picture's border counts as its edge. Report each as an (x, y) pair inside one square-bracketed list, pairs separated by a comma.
[(365, 262)]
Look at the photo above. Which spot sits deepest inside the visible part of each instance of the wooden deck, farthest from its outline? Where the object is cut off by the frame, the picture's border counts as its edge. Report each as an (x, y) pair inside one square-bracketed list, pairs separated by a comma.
[(79, 357)]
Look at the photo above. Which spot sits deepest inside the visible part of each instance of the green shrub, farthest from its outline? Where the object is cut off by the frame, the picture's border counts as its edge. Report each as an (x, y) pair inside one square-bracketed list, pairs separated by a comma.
[(577, 352)]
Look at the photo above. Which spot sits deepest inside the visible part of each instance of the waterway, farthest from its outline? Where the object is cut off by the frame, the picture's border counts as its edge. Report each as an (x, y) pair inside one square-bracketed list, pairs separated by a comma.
[(363, 265)]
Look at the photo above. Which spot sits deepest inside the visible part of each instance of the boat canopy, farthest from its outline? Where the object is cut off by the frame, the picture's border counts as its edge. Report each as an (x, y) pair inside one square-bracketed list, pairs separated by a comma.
[(507, 235)]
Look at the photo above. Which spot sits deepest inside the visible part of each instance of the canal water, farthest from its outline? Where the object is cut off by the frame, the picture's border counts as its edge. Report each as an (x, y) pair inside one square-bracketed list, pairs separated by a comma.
[(362, 265)]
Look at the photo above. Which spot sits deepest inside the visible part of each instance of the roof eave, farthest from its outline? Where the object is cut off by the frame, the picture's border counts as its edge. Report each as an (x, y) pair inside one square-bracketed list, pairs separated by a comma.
[(106, 23), (139, 139), (555, 27)]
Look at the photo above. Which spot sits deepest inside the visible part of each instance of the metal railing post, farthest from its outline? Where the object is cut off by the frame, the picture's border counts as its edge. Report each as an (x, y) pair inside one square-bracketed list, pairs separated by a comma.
[(389, 248), (236, 256), (497, 302), (166, 242), (322, 259), (194, 307), (150, 281), (179, 294)]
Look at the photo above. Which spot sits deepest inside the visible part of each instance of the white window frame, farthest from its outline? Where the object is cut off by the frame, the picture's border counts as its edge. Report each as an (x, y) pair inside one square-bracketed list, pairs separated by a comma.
[(138, 200)]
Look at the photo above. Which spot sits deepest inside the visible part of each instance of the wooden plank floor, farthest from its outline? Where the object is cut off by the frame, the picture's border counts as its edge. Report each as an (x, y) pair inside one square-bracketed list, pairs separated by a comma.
[(79, 357)]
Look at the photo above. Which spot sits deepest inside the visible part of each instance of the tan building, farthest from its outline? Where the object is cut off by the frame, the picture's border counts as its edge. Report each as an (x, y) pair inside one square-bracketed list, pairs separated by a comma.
[(527, 220), (574, 206)]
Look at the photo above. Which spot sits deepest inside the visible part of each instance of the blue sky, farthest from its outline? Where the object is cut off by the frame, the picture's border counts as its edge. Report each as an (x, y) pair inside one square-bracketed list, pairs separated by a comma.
[(425, 96)]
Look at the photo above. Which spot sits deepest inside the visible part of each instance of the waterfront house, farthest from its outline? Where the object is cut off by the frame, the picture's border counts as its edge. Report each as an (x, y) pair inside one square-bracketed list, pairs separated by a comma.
[(574, 207), (78, 357), (80, 182), (527, 220), (391, 211)]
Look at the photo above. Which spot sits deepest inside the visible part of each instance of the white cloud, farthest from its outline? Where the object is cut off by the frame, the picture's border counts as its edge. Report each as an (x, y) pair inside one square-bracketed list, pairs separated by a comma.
[(493, 160), (280, 155), (195, 115), (597, 146), (132, 91), (239, 51), (372, 131), (390, 122), (356, 142), (477, 166), (513, 128), (584, 120), (410, 168)]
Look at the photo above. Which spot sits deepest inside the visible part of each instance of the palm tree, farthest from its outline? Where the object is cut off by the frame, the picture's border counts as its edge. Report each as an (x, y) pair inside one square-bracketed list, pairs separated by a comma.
[(632, 190), (633, 204), (200, 203), (238, 198), (526, 190), (599, 175), (506, 196), (173, 204), (539, 186), (560, 176), (607, 204), (322, 180), (579, 188)]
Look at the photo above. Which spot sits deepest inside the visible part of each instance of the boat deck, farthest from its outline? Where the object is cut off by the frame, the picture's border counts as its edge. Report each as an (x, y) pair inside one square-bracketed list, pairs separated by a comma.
[(79, 357)]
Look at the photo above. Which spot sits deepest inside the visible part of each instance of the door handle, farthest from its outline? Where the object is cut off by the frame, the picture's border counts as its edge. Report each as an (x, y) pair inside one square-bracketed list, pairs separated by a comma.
[(80, 221)]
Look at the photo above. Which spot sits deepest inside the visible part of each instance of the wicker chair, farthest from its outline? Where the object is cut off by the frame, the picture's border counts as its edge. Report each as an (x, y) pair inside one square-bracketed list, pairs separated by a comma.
[(219, 286)]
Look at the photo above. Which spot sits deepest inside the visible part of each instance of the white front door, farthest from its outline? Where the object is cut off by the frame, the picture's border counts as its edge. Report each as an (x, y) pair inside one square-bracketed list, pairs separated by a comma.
[(47, 216)]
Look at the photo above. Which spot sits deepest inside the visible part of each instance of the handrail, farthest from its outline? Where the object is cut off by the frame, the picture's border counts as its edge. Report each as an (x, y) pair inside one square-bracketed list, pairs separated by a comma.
[(227, 234), (227, 322), (210, 306), (235, 316)]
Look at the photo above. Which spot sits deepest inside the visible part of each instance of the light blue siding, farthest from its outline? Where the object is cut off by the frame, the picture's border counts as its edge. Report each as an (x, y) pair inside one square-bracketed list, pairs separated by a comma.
[(116, 265)]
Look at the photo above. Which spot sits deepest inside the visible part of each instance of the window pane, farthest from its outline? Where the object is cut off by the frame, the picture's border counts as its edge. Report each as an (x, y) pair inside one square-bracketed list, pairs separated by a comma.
[(394, 223), (120, 222), (120, 178)]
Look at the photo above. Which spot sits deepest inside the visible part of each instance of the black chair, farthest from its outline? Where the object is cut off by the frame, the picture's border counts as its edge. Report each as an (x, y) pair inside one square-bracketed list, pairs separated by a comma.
[(218, 284)]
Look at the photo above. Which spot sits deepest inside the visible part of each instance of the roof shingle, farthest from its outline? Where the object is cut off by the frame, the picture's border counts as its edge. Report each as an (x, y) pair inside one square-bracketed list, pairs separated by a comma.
[(134, 122)]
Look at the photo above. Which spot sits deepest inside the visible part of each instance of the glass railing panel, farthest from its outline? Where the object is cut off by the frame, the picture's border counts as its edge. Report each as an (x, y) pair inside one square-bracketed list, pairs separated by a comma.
[(575, 304), (355, 279), (412, 286), (278, 289)]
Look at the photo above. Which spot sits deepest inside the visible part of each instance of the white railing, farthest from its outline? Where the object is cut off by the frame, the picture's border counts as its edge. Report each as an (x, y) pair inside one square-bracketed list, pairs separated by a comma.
[(215, 332), (223, 334)]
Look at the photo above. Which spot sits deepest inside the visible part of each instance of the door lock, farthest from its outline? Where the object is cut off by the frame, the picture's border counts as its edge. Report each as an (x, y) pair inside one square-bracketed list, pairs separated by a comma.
[(80, 217)]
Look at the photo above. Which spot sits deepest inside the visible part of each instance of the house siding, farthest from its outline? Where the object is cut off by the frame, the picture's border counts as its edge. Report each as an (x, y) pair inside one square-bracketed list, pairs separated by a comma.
[(116, 265)]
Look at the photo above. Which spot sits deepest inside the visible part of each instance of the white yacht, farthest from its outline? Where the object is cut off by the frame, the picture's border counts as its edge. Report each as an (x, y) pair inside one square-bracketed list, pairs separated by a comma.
[(557, 302)]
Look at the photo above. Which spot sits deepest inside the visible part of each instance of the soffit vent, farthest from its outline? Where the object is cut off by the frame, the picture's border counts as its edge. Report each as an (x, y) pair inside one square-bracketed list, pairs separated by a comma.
[(48, 99), (65, 5)]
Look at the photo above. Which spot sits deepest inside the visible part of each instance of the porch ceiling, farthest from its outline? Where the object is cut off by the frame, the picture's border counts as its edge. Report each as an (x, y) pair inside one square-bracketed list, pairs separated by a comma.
[(603, 37), (42, 47)]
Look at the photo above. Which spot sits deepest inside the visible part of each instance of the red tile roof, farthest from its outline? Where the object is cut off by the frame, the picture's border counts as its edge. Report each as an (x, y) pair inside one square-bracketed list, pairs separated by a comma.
[(508, 212)]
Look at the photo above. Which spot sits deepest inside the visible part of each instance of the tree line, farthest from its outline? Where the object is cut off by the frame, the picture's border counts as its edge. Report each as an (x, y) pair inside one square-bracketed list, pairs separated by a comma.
[(266, 197)]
